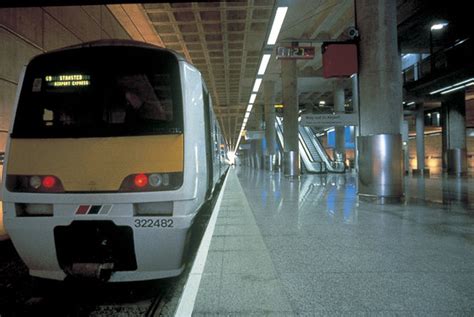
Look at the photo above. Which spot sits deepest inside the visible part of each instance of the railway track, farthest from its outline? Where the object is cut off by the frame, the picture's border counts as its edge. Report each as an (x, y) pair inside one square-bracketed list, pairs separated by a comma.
[(86, 299), (21, 295)]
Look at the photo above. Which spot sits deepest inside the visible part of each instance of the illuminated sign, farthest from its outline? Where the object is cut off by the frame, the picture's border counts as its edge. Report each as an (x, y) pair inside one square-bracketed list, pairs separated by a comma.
[(329, 120), (298, 52), (73, 80)]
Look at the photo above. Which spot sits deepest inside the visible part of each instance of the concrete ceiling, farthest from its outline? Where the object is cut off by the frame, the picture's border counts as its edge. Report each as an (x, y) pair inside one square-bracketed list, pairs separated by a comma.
[(225, 40)]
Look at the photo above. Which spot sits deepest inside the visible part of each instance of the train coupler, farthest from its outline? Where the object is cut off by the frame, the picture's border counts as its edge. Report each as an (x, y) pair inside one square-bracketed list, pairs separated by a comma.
[(93, 271)]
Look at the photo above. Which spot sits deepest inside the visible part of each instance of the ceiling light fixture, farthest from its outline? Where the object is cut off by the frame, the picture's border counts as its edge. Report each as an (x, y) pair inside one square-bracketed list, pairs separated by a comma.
[(456, 88), (252, 98), (467, 81), (257, 84), (264, 64), (276, 26), (438, 26), (272, 38)]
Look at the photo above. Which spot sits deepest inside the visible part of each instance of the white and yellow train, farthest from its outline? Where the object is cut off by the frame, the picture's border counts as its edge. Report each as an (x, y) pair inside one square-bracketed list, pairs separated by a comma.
[(113, 149)]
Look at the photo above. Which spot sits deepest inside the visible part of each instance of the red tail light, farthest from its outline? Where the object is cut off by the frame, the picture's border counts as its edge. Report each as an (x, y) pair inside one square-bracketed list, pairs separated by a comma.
[(49, 182), (140, 180)]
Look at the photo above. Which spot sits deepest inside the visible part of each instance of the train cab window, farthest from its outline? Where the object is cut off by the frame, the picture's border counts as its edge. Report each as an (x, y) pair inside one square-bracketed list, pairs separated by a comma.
[(89, 95)]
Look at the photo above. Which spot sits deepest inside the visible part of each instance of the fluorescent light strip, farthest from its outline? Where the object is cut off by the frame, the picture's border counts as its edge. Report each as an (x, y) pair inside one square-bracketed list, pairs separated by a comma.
[(460, 83), (249, 108), (257, 84), (264, 64), (460, 42), (410, 103), (454, 89), (252, 98), (276, 26)]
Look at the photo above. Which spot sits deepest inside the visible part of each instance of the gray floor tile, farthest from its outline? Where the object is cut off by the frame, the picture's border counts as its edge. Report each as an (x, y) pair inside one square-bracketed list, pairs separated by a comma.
[(214, 262), (304, 261), (248, 262), (246, 294), (207, 299), (217, 243), (241, 243), (242, 230)]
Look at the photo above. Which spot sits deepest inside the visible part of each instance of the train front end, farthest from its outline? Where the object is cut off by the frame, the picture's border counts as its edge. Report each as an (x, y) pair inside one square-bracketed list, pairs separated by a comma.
[(102, 175)]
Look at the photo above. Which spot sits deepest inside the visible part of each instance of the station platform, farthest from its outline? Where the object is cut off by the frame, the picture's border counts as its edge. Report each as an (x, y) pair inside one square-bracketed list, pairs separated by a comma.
[(309, 247)]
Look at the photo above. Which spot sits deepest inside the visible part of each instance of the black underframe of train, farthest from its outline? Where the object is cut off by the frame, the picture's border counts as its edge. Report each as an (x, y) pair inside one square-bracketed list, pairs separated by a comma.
[(95, 242)]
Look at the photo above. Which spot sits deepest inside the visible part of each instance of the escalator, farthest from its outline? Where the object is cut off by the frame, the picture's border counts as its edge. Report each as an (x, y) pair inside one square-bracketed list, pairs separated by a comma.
[(313, 155)]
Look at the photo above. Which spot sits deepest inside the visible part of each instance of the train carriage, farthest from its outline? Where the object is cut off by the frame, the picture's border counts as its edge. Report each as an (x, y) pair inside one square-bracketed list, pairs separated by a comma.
[(113, 149)]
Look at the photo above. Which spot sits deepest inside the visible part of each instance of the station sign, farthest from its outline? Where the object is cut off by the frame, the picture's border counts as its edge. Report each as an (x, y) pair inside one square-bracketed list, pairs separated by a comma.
[(296, 52), (329, 119)]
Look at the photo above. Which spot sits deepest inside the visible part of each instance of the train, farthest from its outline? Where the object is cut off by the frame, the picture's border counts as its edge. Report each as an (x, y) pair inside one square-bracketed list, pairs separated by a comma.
[(113, 150)]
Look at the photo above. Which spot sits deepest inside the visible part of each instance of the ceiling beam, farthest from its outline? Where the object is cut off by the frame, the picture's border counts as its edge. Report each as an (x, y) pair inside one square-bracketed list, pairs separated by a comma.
[(135, 21)]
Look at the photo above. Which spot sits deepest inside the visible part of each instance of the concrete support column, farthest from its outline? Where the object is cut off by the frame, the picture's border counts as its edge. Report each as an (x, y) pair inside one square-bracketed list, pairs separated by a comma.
[(339, 100), (355, 109), (270, 134), (291, 157), (406, 150), (420, 141), (257, 144), (454, 133), (258, 127), (379, 143), (416, 68)]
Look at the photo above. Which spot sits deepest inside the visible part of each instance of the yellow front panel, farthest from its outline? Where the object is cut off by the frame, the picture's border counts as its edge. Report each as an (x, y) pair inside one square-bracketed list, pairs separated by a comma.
[(96, 164)]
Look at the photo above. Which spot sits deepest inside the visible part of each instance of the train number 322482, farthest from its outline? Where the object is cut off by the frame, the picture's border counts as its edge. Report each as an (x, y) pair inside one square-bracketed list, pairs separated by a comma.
[(153, 223)]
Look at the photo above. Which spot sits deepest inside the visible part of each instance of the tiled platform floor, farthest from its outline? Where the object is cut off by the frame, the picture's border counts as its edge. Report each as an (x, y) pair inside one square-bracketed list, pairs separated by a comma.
[(310, 248)]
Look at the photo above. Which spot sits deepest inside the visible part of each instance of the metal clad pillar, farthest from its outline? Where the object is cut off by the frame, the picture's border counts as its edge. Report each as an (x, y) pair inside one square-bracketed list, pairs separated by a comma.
[(379, 144), (270, 134), (339, 100), (291, 160)]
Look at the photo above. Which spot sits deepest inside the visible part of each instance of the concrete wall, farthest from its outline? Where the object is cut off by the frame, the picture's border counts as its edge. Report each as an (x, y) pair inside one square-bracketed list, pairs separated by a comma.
[(26, 32)]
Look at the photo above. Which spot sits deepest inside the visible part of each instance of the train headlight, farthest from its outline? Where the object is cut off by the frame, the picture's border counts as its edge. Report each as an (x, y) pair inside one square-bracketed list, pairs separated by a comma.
[(35, 182), (166, 179), (155, 180)]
